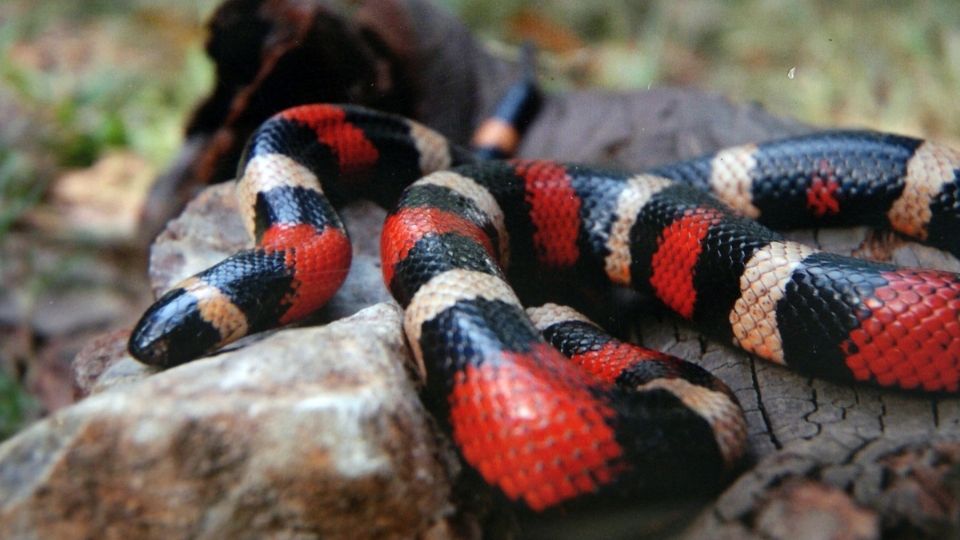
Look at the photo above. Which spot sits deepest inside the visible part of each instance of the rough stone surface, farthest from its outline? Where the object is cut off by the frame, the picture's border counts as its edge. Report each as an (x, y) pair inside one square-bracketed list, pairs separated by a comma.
[(104, 363), (308, 433)]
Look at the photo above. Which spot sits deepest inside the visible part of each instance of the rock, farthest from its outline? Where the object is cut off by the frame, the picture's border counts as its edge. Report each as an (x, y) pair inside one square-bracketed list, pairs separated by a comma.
[(208, 229), (919, 490), (96, 357), (311, 432)]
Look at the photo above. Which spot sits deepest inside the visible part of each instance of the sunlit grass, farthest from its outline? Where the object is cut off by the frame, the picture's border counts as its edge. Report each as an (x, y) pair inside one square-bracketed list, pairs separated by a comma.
[(886, 65), (109, 75), (17, 192), (15, 406)]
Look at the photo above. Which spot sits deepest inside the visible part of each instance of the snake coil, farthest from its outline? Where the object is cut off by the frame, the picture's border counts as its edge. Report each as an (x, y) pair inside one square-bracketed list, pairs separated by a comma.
[(533, 423)]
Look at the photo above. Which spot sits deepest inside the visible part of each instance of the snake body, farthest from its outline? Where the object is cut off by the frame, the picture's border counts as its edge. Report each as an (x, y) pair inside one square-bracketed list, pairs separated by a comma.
[(543, 429)]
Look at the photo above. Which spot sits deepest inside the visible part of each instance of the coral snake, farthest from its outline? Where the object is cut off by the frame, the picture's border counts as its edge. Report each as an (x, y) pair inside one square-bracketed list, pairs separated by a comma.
[(542, 404)]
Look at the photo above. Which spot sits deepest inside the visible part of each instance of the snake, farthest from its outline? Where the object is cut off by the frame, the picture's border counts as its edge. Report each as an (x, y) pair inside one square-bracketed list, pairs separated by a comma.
[(544, 406)]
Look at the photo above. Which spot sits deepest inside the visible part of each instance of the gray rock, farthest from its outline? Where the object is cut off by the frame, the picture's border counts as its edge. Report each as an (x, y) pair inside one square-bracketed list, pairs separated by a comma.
[(310, 432), (103, 363)]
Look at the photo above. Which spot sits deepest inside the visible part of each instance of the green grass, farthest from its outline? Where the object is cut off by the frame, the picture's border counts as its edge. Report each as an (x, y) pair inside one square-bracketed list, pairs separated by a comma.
[(16, 406), (88, 77), (109, 74), (889, 65), (17, 193)]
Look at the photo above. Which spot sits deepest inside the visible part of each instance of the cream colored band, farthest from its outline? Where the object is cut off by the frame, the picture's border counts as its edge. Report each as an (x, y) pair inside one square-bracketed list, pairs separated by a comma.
[(442, 292), (730, 178), (433, 148), (722, 413), (217, 309), (635, 195), (762, 284), (547, 315), (265, 172), (931, 166)]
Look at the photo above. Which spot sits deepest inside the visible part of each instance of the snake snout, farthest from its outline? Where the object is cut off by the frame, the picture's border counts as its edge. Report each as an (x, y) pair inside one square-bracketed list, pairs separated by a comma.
[(173, 331)]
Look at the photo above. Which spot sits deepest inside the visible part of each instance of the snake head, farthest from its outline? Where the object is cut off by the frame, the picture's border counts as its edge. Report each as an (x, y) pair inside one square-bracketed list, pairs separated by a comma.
[(185, 323)]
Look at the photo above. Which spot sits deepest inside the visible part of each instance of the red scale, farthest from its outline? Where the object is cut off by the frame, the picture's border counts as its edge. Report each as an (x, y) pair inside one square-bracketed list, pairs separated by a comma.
[(319, 261), (678, 249), (569, 449), (554, 212), (350, 145), (903, 340)]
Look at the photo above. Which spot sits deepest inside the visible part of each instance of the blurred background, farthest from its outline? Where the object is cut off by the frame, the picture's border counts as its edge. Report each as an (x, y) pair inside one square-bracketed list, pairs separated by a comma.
[(94, 96)]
